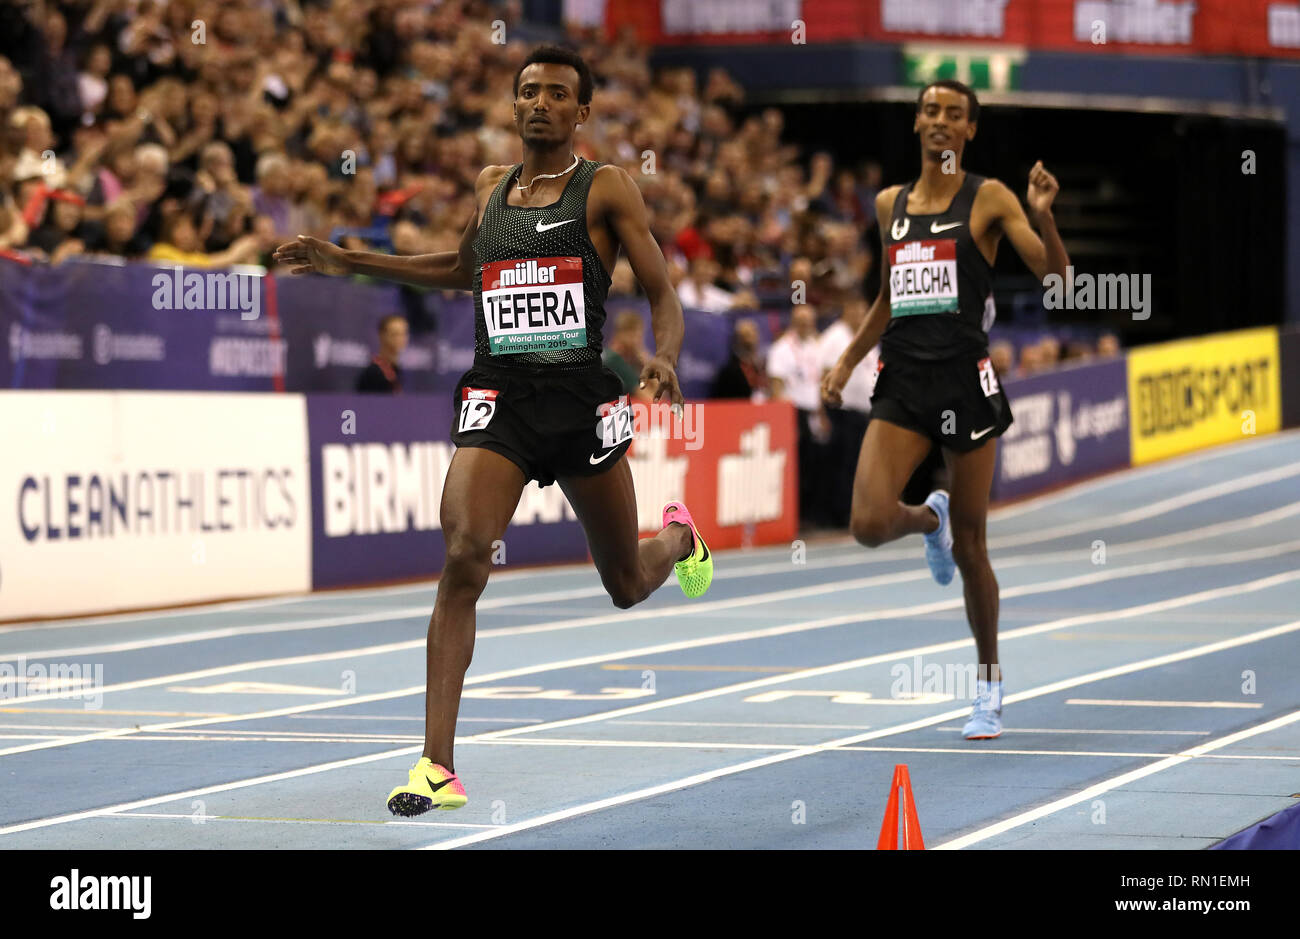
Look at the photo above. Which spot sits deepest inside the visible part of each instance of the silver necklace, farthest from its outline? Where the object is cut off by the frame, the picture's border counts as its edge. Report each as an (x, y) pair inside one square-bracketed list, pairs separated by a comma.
[(521, 187)]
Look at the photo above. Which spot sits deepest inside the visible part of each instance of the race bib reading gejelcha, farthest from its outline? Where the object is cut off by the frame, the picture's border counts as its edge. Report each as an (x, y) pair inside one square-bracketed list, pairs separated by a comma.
[(534, 305), (923, 277)]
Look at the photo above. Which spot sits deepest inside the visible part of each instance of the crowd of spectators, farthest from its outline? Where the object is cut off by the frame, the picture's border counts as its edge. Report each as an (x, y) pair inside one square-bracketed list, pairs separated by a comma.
[(204, 132)]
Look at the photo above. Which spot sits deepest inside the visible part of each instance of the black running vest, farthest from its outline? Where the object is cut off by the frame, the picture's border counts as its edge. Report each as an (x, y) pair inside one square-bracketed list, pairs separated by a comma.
[(539, 285), (940, 286)]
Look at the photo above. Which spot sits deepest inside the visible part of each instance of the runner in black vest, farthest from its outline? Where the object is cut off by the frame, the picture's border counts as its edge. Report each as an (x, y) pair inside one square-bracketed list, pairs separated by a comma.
[(538, 403), (935, 382)]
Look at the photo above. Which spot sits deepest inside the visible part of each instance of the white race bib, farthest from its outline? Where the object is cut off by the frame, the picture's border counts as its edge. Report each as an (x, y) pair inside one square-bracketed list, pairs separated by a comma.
[(923, 277), (988, 378), (616, 423), (534, 305), (477, 405)]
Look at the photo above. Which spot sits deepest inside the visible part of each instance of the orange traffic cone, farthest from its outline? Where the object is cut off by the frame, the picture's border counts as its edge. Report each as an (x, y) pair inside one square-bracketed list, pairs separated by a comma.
[(911, 824)]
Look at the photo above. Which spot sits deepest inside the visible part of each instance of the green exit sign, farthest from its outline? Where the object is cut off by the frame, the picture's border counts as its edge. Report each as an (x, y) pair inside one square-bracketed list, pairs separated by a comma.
[(981, 68)]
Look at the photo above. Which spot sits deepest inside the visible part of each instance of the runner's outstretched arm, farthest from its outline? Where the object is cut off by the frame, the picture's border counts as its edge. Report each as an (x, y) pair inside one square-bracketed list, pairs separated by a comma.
[(627, 219), (452, 270)]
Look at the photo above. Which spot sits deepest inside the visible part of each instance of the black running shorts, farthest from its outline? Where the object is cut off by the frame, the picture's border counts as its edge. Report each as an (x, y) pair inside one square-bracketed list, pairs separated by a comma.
[(958, 403), (544, 420)]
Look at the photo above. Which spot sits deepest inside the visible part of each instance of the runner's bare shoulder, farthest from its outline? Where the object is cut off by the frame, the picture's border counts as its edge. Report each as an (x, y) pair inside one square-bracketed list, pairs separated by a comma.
[(996, 190), (490, 176), (611, 180), (885, 204)]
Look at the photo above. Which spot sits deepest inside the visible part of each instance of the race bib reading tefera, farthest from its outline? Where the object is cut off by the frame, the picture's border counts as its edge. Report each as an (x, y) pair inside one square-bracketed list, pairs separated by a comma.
[(534, 305), (923, 277)]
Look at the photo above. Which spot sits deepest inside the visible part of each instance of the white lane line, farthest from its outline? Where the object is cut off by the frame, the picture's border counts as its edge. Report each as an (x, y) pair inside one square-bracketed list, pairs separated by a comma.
[(1205, 493), (855, 557), (352, 619), (697, 609), (312, 734), (415, 717), (53, 726), (208, 790), (268, 736), (224, 719), (585, 743), (406, 751), (674, 785), (294, 821), (1162, 704), (731, 745), (763, 724), (323, 596), (233, 668), (1015, 821), (807, 625), (979, 750), (1090, 730), (227, 606), (932, 649), (859, 556), (821, 590), (638, 744), (547, 626), (1281, 439)]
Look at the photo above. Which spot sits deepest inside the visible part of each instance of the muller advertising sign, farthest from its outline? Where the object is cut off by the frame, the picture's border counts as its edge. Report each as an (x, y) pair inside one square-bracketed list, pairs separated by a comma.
[(1217, 27)]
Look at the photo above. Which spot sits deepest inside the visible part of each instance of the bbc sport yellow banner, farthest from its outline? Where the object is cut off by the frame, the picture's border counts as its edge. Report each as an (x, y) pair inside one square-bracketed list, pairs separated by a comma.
[(1199, 392)]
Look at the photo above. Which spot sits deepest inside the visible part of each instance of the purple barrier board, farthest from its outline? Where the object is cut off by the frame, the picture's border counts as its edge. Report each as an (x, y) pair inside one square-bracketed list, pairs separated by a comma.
[(1069, 423), (377, 469), (98, 325), (330, 327), (91, 325), (1289, 350), (101, 325)]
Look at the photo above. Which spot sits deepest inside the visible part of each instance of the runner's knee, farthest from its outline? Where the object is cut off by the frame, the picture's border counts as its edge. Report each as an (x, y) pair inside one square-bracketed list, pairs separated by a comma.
[(968, 547), (871, 528), (625, 590), (469, 560)]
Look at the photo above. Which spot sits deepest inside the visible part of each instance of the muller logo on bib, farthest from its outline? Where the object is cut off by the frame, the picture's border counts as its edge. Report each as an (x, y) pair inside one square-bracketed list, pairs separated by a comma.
[(534, 305), (923, 277)]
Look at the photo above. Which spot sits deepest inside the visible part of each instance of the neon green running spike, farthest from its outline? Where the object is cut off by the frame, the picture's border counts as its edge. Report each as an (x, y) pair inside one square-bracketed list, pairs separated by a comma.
[(694, 572)]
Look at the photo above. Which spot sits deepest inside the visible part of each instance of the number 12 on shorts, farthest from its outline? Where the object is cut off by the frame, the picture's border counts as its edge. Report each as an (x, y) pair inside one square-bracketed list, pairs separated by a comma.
[(616, 423), (988, 378), (477, 405)]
